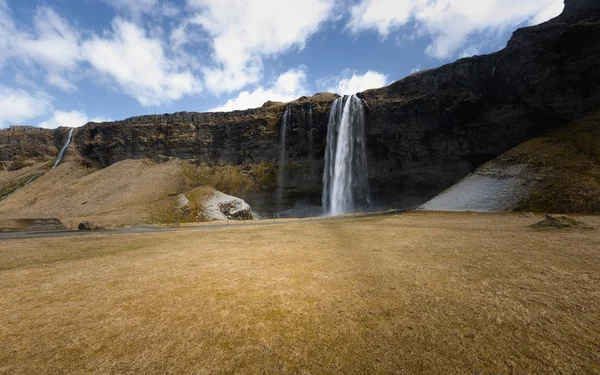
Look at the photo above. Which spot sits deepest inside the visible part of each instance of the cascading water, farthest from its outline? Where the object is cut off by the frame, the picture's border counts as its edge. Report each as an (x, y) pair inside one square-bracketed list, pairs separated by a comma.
[(61, 154), (309, 122), (286, 120), (345, 177)]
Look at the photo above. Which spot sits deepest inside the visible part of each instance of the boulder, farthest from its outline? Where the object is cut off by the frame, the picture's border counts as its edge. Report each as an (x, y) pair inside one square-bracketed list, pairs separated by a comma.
[(561, 222), (221, 206), (85, 225), (208, 204)]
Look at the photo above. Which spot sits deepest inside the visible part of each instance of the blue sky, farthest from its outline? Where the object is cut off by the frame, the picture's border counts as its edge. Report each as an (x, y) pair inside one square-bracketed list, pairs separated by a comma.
[(67, 62)]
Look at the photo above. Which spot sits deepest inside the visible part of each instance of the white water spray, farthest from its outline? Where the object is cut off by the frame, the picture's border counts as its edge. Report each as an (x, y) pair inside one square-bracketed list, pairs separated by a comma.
[(286, 120), (345, 177), (61, 154)]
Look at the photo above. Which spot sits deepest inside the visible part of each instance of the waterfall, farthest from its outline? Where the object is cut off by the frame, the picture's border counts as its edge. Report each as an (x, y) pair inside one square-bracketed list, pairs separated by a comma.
[(345, 177), (61, 154), (310, 138), (286, 120)]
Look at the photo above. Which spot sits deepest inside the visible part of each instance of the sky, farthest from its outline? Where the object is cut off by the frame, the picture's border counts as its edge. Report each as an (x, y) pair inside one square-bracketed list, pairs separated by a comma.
[(68, 62)]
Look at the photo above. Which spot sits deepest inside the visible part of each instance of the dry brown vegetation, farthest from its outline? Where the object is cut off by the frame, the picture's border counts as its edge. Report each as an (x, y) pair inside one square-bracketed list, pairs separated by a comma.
[(566, 167), (129, 192), (421, 293)]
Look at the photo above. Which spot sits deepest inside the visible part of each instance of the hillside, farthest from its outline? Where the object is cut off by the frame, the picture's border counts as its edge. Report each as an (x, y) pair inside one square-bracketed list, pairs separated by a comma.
[(558, 173)]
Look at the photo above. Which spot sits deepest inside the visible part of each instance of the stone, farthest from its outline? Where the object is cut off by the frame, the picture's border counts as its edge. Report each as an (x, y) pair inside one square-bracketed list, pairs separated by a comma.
[(221, 206), (561, 222), (85, 225)]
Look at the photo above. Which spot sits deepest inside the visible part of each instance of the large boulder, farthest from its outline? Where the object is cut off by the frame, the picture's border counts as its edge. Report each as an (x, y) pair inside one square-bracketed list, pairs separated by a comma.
[(209, 204), (221, 206)]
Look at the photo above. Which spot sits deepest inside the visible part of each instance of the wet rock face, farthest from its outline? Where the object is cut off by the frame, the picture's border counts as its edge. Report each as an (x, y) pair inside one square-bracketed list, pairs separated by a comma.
[(424, 133)]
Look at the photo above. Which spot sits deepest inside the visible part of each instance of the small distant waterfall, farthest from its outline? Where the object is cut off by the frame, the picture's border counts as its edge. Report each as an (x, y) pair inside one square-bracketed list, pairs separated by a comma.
[(61, 154), (345, 177), (309, 122), (286, 120)]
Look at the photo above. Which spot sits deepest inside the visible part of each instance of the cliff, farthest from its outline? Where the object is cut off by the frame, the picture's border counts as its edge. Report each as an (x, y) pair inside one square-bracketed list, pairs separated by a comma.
[(432, 127)]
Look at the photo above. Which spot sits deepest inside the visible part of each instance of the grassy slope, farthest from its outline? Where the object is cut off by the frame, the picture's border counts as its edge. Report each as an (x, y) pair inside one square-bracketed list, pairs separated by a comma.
[(565, 168), (124, 193), (421, 293)]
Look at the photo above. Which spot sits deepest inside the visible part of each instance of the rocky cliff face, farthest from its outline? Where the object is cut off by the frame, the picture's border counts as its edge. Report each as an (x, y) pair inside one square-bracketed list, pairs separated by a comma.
[(424, 133), (240, 137), (430, 128), (27, 142)]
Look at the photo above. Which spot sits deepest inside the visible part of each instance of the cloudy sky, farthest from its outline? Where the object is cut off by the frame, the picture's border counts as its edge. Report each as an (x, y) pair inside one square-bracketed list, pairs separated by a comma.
[(67, 62)]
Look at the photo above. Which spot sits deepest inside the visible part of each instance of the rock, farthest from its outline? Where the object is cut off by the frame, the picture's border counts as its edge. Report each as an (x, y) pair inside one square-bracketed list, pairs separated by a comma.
[(270, 103), (85, 225), (527, 215), (561, 222), (221, 206), (208, 204), (26, 142)]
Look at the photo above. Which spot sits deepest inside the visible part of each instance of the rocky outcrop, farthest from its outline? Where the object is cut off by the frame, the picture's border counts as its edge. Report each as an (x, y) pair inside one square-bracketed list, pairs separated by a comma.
[(27, 142), (207, 204)]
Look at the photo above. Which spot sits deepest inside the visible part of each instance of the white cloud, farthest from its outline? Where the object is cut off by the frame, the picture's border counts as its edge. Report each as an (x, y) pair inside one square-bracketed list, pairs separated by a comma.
[(133, 7), (136, 62), (348, 84), (288, 86), (139, 66), (243, 32), (54, 46), (18, 105), (469, 51), (382, 15), (7, 29), (449, 22), (61, 82), (552, 10), (69, 119), (416, 69)]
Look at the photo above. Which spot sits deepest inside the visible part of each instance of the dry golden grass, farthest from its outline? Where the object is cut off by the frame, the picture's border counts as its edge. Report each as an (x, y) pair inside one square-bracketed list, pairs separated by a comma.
[(123, 194), (422, 293)]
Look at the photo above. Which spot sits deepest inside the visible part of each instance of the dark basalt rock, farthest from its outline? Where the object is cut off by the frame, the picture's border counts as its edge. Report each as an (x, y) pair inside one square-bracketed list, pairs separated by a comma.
[(85, 225), (26, 142)]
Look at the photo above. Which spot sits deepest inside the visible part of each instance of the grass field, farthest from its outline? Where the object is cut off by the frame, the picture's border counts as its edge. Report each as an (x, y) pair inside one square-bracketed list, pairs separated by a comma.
[(419, 293)]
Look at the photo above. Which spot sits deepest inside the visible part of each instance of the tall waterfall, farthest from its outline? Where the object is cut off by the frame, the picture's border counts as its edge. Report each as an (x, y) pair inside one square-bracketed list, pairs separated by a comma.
[(345, 177), (61, 154), (285, 123)]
